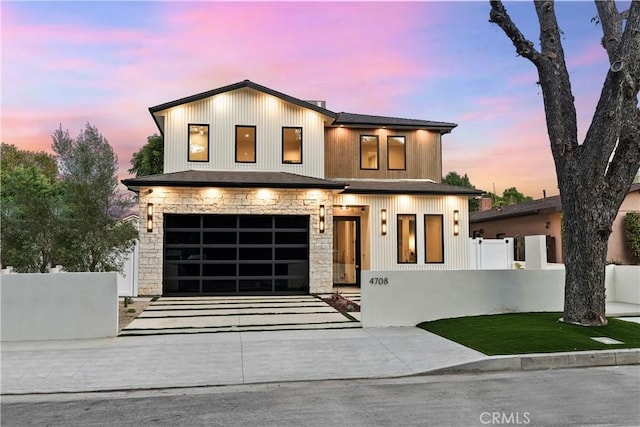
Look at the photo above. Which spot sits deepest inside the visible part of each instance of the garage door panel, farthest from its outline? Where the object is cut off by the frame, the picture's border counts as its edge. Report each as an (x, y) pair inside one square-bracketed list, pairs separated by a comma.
[(236, 254)]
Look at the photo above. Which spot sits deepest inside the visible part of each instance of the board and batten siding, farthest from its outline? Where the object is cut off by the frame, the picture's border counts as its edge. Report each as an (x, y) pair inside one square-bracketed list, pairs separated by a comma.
[(382, 252), (423, 154), (247, 107)]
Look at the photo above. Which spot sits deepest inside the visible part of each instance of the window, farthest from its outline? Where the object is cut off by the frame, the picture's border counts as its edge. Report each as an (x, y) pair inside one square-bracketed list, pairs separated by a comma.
[(433, 239), (407, 239), (198, 142), (291, 145), (368, 152), (396, 153), (245, 144)]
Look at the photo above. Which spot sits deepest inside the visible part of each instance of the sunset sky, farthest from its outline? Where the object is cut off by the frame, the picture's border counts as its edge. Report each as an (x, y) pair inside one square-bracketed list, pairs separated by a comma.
[(69, 63)]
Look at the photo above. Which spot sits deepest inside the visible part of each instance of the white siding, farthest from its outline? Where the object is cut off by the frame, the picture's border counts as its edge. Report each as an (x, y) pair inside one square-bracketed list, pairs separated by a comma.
[(244, 107), (383, 250)]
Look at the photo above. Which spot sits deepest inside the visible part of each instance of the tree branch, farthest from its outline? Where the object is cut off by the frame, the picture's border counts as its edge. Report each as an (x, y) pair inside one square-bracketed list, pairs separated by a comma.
[(524, 47), (611, 22), (617, 109)]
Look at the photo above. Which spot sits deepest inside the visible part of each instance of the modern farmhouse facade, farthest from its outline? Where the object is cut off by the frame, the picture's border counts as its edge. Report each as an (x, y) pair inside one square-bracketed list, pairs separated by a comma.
[(264, 193)]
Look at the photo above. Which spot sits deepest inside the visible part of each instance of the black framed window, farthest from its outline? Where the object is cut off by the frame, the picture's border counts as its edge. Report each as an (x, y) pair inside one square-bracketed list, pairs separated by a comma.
[(198, 143), (369, 151), (245, 144), (406, 229), (433, 239), (292, 145), (396, 153)]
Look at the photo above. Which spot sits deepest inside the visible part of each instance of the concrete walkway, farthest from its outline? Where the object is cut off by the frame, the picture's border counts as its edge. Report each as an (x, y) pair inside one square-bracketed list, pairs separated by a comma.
[(124, 363)]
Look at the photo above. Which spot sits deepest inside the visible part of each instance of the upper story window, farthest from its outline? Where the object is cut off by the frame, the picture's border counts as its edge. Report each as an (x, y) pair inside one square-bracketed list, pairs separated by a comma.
[(198, 143), (433, 239), (407, 239), (291, 145), (396, 153), (245, 144), (369, 152)]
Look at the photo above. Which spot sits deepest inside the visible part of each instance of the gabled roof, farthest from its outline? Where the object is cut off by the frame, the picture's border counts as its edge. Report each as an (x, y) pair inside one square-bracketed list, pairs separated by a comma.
[(405, 186), (339, 119), (363, 120), (240, 85), (548, 204), (231, 179)]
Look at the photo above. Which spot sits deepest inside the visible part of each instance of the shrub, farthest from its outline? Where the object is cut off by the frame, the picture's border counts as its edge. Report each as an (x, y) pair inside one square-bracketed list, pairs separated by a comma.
[(632, 232)]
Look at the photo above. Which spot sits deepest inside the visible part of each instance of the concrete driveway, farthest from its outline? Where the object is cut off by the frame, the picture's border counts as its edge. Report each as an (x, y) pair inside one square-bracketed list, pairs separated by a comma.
[(185, 315)]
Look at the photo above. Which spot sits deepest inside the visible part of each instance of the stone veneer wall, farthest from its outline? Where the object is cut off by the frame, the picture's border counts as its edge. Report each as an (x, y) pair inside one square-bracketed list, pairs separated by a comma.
[(234, 202)]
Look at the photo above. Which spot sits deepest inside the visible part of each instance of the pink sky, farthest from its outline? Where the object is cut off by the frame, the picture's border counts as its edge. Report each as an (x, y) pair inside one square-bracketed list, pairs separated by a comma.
[(107, 62)]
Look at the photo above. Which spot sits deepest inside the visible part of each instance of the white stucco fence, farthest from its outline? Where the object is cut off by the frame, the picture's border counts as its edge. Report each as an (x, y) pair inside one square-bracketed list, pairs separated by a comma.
[(395, 298), (58, 306), (623, 283)]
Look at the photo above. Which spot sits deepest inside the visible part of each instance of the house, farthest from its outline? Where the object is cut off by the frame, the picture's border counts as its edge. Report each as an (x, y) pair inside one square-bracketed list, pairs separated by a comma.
[(544, 217), (264, 193)]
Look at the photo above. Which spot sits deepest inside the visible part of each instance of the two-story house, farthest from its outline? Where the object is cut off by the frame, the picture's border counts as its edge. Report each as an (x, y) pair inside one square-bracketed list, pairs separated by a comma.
[(264, 193)]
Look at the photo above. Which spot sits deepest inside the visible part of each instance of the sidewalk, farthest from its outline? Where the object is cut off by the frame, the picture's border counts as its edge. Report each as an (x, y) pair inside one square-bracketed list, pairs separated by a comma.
[(125, 363), (148, 362)]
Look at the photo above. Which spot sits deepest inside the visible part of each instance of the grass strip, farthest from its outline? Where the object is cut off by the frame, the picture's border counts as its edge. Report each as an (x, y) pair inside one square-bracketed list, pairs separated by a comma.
[(522, 333)]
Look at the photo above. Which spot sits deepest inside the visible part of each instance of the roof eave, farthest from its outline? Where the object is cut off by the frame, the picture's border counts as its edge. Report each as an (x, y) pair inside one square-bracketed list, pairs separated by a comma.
[(135, 186), (408, 192)]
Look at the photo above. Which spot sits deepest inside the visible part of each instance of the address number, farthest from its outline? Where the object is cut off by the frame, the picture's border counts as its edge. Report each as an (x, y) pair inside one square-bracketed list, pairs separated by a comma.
[(379, 281)]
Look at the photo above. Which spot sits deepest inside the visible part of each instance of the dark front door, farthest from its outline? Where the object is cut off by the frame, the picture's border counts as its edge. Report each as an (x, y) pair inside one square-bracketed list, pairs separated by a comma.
[(346, 251), (236, 254)]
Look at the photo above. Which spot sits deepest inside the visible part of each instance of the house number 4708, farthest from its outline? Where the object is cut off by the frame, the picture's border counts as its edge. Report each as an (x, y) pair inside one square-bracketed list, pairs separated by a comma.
[(379, 281)]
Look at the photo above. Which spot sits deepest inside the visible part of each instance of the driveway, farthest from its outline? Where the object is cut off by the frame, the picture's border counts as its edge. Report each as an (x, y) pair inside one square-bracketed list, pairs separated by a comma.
[(185, 315)]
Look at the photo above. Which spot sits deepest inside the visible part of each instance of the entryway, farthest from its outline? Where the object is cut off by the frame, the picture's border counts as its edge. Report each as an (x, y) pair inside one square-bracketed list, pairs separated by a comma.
[(187, 315), (346, 251)]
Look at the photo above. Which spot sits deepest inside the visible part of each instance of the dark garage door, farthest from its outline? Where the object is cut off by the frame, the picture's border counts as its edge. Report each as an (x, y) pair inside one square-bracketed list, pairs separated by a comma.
[(236, 254)]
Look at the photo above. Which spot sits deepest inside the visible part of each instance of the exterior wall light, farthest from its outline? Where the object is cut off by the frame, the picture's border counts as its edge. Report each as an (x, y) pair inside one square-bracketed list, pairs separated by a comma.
[(149, 217), (456, 223), (383, 222), (321, 217)]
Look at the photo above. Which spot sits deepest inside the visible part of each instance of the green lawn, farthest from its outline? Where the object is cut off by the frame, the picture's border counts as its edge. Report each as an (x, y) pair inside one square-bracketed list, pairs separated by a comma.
[(519, 333)]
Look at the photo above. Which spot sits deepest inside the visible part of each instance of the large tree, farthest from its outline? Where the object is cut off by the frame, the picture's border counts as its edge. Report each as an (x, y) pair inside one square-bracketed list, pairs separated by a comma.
[(95, 237), (593, 176), (150, 159)]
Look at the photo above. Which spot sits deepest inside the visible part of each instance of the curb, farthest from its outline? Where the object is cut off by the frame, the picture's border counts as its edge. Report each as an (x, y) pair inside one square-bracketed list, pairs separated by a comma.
[(534, 362)]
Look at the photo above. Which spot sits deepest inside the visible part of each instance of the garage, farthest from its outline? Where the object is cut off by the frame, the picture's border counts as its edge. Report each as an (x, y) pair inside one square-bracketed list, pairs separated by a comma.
[(235, 254)]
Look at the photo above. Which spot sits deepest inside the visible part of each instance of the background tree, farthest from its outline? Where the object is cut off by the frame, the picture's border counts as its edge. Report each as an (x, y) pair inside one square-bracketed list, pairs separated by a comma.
[(593, 177), (150, 159), (12, 157), (510, 196), (30, 206), (94, 237), (454, 178)]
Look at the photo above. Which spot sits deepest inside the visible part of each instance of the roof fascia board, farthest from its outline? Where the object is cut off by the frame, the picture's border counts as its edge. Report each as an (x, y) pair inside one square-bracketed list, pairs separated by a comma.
[(240, 85)]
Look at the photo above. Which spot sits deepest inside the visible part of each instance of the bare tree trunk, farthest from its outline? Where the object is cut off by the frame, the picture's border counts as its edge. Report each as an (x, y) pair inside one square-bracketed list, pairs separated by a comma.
[(593, 177)]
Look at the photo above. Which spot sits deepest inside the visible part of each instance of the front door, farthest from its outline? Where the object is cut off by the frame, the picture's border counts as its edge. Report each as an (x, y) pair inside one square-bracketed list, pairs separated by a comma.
[(346, 251)]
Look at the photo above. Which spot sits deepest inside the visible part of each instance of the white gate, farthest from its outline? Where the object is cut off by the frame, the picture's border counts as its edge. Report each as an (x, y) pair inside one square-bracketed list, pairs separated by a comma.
[(491, 254)]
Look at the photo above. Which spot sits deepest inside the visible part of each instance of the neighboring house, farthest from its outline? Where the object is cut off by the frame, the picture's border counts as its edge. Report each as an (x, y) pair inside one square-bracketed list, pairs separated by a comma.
[(264, 193), (544, 217)]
